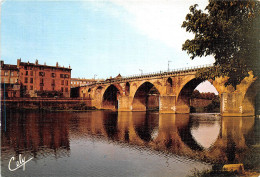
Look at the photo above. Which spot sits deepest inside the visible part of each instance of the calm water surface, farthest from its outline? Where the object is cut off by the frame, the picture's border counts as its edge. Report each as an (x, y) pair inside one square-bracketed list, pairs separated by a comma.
[(102, 143)]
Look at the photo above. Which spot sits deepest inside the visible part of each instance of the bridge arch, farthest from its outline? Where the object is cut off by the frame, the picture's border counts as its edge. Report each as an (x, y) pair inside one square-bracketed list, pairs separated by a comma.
[(184, 94), (169, 89), (89, 93), (145, 97), (110, 96), (127, 89), (97, 91)]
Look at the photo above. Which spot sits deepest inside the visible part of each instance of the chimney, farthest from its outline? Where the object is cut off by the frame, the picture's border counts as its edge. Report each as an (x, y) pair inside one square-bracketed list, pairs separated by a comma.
[(18, 62), (57, 64), (36, 62), (44, 63), (69, 66), (2, 63)]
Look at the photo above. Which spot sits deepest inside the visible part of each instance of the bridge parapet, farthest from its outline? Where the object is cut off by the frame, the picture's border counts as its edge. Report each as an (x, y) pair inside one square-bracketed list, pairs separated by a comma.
[(153, 74), (169, 72)]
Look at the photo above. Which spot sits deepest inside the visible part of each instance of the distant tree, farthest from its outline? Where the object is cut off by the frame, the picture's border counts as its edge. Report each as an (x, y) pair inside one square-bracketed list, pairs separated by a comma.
[(195, 94), (228, 30)]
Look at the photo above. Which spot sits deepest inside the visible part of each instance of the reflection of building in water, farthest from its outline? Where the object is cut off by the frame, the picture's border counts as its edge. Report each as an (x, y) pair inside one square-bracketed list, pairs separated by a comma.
[(42, 135), (171, 132)]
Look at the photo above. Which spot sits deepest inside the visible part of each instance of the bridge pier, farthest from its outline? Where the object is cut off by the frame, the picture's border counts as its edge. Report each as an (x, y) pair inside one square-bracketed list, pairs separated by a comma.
[(183, 107), (167, 104), (232, 105), (124, 103), (139, 104)]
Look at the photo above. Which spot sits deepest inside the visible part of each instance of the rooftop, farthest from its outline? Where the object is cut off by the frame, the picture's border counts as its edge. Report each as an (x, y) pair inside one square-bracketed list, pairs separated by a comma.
[(9, 67), (39, 65)]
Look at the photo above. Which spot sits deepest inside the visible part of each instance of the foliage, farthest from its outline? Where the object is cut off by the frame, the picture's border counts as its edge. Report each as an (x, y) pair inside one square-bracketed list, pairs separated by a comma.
[(212, 107), (207, 96), (228, 30), (252, 159), (213, 173)]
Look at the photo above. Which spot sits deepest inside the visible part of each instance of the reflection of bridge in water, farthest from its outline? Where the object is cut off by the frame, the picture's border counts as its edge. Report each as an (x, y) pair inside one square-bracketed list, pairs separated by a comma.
[(170, 91), (178, 134), (171, 133)]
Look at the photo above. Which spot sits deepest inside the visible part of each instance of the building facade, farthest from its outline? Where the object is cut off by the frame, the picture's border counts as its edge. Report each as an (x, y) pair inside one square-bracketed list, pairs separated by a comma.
[(10, 86), (38, 80)]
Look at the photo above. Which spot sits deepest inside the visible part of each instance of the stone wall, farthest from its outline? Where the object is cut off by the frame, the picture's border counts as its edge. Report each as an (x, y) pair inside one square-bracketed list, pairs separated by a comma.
[(47, 104)]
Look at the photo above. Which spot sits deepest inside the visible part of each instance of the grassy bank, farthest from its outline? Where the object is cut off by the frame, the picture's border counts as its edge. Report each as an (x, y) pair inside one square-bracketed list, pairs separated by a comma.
[(251, 164)]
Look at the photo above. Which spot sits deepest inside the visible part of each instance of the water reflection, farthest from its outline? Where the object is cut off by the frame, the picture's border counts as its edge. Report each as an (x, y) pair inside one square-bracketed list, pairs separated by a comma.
[(202, 126), (37, 134), (204, 137)]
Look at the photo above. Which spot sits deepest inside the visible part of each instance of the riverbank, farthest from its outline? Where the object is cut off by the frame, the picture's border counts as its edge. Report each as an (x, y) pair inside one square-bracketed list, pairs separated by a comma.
[(55, 104), (251, 164)]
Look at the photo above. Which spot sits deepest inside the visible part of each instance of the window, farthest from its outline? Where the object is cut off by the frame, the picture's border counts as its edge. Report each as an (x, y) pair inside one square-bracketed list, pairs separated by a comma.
[(31, 73), (53, 74), (41, 74), (6, 73), (67, 83), (31, 80), (12, 73), (61, 75), (41, 88), (31, 88), (26, 73), (26, 80), (62, 82), (61, 89), (53, 82), (41, 81), (66, 89)]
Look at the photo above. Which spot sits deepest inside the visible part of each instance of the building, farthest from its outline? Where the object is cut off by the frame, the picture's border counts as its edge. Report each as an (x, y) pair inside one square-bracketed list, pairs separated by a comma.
[(10, 86), (38, 80), (43, 80)]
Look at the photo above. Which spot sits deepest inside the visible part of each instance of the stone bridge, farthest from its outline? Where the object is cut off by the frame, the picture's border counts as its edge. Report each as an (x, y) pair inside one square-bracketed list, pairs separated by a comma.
[(169, 91)]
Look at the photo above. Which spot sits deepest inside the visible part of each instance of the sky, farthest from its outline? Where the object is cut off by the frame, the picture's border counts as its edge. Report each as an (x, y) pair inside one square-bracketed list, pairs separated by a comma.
[(100, 38)]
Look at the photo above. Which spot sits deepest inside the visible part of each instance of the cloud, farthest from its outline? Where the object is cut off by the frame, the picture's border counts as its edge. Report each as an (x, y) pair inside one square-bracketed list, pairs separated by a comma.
[(160, 20)]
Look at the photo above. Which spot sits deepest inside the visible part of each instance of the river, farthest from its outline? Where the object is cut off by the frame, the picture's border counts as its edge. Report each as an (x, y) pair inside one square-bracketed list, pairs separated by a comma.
[(105, 143)]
